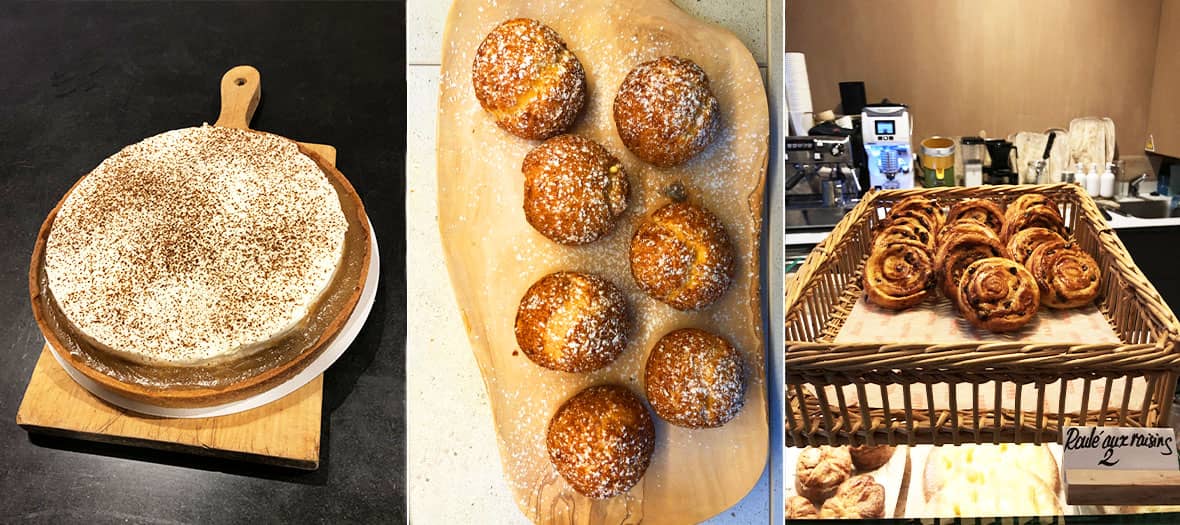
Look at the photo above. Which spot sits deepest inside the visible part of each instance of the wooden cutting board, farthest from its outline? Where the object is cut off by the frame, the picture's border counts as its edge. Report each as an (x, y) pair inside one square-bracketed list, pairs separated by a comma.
[(285, 432), (493, 255)]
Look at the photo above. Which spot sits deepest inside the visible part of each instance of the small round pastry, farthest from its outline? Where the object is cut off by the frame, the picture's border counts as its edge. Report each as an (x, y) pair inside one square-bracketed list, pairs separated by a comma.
[(1067, 276), (1024, 202), (1023, 242), (665, 112), (861, 497), (960, 250), (681, 256), (1034, 217), (819, 471), (983, 211), (899, 275), (867, 458), (997, 294), (801, 508), (574, 189), (526, 78), (695, 379), (572, 322), (927, 210), (601, 441)]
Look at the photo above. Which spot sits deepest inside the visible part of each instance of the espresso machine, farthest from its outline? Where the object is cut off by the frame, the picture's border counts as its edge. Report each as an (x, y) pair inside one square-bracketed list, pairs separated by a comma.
[(886, 131), (822, 181)]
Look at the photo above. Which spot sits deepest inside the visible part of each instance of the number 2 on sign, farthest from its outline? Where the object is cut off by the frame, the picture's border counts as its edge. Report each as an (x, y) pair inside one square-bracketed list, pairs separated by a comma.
[(1105, 461)]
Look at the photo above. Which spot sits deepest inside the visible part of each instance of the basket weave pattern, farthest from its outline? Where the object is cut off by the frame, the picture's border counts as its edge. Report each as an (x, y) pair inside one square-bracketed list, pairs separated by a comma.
[(828, 285)]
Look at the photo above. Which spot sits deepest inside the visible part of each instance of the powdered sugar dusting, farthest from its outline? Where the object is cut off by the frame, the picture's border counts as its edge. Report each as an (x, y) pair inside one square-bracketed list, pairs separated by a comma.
[(494, 255), (528, 80), (695, 379), (665, 112), (195, 245), (574, 189)]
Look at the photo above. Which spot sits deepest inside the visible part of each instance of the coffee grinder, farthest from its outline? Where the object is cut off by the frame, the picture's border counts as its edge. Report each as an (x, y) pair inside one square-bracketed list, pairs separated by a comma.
[(886, 131)]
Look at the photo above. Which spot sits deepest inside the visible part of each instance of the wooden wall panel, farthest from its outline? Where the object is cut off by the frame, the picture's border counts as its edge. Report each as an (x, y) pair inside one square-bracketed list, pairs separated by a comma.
[(1164, 121), (1000, 65)]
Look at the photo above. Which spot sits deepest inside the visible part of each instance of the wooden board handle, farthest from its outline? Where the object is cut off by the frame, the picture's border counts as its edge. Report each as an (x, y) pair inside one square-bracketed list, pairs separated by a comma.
[(241, 89)]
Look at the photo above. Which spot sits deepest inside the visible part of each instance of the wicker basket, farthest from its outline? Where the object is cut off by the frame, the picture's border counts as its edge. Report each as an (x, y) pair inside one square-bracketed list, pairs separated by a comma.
[(829, 385)]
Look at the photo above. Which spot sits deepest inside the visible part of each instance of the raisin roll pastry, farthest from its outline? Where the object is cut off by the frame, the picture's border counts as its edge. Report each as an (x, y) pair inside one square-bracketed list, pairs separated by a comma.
[(952, 231), (960, 249), (982, 211), (1026, 201), (1037, 216), (921, 208), (997, 294), (899, 275), (904, 229), (1023, 242), (1067, 276)]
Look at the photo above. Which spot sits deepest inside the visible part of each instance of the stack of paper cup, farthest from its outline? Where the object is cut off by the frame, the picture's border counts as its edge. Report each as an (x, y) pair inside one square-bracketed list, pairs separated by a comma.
[(798, 94)]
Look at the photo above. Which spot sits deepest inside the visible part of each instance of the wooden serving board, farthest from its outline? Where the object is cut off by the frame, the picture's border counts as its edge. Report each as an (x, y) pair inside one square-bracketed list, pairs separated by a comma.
[(493, 255), (285, 432)]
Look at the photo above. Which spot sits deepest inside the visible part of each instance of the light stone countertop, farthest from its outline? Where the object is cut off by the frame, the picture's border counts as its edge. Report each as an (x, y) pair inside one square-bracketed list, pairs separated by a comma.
[(453, 466)]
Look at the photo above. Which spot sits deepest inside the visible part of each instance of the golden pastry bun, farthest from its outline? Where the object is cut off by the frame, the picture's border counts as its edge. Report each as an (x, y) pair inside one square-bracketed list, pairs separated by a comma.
[(601, 441), (665, 111), (695, 379), (572, 322), (681, 256), (528, 80), (574, 189)]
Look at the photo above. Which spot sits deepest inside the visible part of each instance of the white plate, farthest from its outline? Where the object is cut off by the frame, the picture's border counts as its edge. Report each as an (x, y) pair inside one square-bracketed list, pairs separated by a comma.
[(320, 364)]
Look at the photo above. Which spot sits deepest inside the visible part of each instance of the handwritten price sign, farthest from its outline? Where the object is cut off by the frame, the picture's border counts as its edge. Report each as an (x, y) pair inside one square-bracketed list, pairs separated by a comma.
[(1119, 448)]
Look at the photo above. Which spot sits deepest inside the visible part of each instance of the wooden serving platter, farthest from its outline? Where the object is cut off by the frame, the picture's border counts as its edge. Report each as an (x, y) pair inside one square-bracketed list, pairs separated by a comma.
[(285, 432), (493, 255)]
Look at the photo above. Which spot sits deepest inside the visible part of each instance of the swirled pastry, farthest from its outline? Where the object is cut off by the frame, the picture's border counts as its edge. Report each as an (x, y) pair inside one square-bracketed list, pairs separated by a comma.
[(1067, 276), (861, 497), (953, 230), (997, 294), (923, 208), (960, 249), (904, 228), (899, 275), (982, 211), (820, 471), (528, 80), (1036, 216), (1023, 242), (1025, 202)]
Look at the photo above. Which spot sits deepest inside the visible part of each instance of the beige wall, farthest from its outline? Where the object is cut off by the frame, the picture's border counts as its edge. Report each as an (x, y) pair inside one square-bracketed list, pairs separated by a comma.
[(997, 65)]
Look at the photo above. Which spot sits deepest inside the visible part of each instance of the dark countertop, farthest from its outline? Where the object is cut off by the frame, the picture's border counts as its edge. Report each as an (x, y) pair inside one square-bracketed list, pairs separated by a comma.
[(80, 81)]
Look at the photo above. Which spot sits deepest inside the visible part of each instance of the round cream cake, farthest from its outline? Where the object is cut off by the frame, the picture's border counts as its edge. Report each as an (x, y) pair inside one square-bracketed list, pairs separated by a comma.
[(195, 246)]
